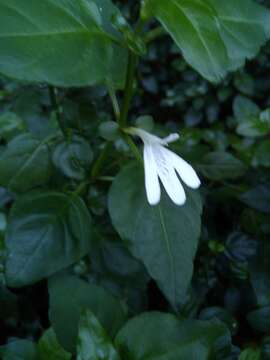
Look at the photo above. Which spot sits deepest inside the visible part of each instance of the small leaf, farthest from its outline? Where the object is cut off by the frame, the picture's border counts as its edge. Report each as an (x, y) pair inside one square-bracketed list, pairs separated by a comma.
[(54, 229), (145, 122), (109, 130), (66, 309), (251, 121), (10, 125), (250, 354), (162, 336), (49, 348), (240, 247), (24, 164), (265, 348), (259, 319), (93, 342), (214, 36), (244, 108), (223, 315), (259, 269), (163, 237), (19, 350), (73, 157), (261, 155), (3, 223), (258, 198), (221, 165)]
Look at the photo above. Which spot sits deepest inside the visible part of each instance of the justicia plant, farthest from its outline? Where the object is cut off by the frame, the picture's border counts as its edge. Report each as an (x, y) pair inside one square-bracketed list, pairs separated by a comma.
[(54, 178)]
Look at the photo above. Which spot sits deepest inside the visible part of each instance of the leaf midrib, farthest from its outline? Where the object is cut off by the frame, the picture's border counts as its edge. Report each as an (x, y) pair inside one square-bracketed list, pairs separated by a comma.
[(169, 250), (25, 164), (47, 227), (54, 33), (177, 5)]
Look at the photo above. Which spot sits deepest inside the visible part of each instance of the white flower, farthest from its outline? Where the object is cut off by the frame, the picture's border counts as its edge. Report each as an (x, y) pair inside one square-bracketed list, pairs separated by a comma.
[(161, 163)]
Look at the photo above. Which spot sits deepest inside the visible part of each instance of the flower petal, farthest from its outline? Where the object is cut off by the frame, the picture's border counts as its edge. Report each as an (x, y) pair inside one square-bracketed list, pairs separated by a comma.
[(152, 185), (169, 139), (168, 176), (185, 171)]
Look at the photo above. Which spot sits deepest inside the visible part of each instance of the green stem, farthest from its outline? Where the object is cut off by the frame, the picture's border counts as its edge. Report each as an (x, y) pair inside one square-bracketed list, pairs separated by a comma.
[(81, 188), (132, 62), (115, 104), (95, 170), (153, 34), (100, 161), (133, 148), (56, 108)]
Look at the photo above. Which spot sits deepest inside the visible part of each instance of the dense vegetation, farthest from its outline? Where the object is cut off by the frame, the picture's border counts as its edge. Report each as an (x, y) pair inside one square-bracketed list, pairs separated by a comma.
[(88, 269)]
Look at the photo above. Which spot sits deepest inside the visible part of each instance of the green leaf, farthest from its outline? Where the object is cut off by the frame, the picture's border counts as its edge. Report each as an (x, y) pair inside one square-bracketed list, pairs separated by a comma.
[(109, 130), (251, 121), (259, 319), (49, 348), (159, 336), (73, 157), (10, 125), (54, 229), (261, 155), (19, 350), (250, 354), (63, 43), (24, 164), (114, 268), (258, 198), (220, 165), (221, 314), (163, 237), (93, 342), (259, 269), (3, 222), (66, 309), (265, 348), (145, 122), (214, 36), (244, 108)]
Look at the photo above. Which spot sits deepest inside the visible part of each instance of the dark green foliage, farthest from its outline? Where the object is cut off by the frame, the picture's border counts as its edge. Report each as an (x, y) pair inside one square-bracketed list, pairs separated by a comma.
[(88, 269)]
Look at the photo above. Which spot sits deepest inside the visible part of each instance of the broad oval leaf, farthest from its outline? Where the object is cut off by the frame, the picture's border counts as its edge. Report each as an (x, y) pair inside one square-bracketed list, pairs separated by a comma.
[(158, 336), (64, 43), (19, 349), (251, 121), (25, 163), (221, 165), (261, 154), (73, 157), (93, 342), (259, 319), (66, 309), (259, 269), (214, 36), (251, 354), (10, 125), (163, 237), (258, 198), (46, 233), (49, 348)]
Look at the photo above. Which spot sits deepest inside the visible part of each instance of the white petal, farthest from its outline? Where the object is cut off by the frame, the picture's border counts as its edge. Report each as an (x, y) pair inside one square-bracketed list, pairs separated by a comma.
[(169, 139), (168, 176), (152, 185), (186, 172), (146, 137)]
